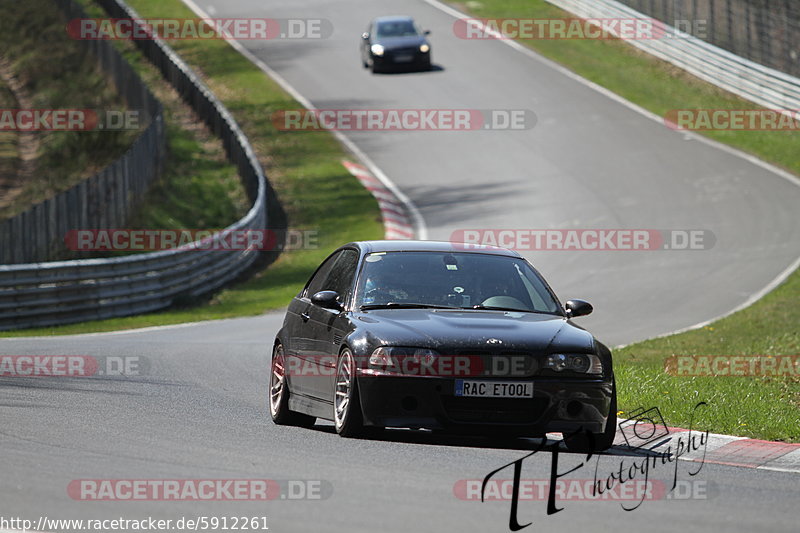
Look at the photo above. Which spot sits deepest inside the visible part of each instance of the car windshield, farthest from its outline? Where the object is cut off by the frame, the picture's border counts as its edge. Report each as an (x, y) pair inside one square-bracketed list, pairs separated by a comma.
[(452, 280), (397, 28)]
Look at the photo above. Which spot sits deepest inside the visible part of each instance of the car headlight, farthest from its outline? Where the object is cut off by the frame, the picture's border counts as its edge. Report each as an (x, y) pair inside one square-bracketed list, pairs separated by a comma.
[(377, 49), (424, 48), (582, 363), (401, 359)]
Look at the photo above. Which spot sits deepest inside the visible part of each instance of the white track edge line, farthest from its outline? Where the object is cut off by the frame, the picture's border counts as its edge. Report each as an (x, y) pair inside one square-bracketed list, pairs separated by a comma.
[(144, 329), (780, 278), (421, 229)]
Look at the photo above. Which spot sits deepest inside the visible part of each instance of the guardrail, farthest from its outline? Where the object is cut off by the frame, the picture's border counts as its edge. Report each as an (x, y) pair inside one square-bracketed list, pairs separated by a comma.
[(765, 86), (764, 31), (44, 294)]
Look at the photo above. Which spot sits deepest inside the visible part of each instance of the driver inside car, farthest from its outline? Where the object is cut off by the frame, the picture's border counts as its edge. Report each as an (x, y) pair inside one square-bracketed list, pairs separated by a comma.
[(381, 289)]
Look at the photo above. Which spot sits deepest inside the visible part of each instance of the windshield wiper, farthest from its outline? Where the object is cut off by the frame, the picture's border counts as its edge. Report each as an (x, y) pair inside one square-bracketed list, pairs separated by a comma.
[(404, 305), (497, 308)]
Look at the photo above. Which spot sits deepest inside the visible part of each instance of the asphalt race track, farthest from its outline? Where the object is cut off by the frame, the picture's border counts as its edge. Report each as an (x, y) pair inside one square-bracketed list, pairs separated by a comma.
[(199, 412), (196, 409), (590, 162)]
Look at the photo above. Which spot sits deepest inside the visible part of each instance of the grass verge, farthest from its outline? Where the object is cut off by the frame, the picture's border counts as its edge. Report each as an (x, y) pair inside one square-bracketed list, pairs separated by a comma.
[(305, 168), (757, 407), (56, 73)]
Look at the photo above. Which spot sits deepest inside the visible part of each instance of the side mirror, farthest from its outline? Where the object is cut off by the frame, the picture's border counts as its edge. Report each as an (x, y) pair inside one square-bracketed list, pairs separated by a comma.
[(577, 308), (327, 300), (365, 35), (426, 32)]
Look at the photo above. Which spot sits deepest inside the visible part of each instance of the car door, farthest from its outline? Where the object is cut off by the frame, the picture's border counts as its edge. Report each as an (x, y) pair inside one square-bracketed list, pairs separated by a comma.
[(301, 347), (327, 326)]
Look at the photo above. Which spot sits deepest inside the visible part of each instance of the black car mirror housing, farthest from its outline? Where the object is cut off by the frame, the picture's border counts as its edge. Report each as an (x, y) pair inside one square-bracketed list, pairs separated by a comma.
[(327, 300), (576, 308)]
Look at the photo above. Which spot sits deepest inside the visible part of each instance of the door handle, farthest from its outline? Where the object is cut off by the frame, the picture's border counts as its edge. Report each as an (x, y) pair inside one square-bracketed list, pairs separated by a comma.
[(305, 316)]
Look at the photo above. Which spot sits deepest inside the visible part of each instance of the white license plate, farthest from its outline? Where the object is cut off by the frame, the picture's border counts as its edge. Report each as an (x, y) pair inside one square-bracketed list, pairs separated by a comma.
[(494, 389), (403, 58)]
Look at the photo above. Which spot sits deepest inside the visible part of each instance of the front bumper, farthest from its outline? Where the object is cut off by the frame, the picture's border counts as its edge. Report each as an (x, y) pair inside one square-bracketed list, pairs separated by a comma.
[(558, 405), (402, 58)]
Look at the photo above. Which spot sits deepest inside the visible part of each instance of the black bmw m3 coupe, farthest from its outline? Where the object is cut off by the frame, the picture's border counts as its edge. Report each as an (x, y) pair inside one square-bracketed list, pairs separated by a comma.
[(443, 336)]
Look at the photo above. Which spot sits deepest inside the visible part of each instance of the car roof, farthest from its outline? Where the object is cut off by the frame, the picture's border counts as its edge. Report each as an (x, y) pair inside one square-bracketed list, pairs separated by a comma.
[(393, 18), (367, 247)]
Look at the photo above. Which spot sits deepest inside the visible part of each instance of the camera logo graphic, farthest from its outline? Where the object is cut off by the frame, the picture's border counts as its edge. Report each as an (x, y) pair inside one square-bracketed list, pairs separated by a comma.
[(643, 427)]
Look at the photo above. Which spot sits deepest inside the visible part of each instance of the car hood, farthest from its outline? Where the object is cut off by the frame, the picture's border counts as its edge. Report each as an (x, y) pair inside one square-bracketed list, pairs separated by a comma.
[(390, 43), (446, 330)]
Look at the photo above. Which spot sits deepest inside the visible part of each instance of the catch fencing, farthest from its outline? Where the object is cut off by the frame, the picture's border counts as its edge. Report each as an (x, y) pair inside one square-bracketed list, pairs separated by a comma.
[(764, 31), (745, 77), (107, 198), (50, 293)]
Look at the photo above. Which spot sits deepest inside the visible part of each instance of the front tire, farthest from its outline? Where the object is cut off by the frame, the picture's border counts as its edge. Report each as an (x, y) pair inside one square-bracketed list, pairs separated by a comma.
[(279, 394), (347, 416)]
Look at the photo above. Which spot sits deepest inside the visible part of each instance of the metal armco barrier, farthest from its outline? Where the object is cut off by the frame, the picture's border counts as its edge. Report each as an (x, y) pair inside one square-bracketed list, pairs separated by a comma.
[(43, 294), (764, 31), (765, 86)]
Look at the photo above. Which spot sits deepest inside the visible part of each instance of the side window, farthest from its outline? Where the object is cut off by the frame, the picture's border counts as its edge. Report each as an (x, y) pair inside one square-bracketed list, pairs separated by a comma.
[(316, 283), (340, 278)]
